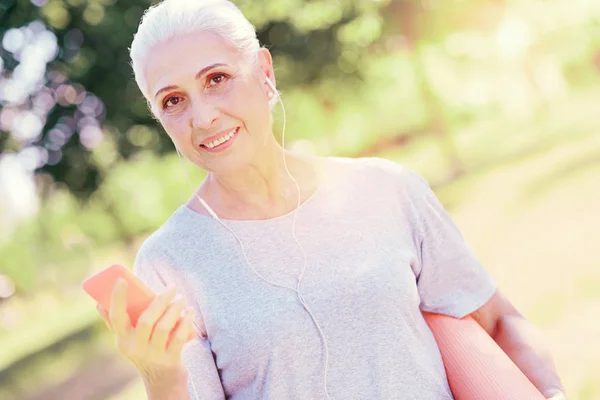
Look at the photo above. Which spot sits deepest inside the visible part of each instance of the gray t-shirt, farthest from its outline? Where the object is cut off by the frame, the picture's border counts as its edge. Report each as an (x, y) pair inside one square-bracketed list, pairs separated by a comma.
[(380, 249)]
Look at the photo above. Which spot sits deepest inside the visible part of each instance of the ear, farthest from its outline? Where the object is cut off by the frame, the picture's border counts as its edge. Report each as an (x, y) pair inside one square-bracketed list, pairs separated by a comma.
[(265, 64)]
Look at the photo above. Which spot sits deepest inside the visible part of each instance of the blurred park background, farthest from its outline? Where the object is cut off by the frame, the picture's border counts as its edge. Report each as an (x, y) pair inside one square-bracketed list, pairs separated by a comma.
[(495, 102)]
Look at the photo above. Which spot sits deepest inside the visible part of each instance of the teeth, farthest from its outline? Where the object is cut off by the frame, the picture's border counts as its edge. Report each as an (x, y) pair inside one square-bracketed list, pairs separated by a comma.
[(221, 140)]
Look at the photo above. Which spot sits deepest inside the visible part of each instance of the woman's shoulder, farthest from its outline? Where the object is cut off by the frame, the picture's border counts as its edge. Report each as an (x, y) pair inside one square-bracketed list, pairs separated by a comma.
[(175, 232), (377, 171)]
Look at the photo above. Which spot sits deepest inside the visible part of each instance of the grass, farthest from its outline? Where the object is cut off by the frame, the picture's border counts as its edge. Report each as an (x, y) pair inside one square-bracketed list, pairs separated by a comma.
[(39, 334)]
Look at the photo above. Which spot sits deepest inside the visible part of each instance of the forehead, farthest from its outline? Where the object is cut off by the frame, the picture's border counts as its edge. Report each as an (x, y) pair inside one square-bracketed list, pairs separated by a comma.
[(179, 59)]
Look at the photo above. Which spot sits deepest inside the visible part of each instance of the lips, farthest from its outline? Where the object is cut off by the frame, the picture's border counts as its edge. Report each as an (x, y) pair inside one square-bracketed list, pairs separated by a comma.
[(219, 138), (221, 141)]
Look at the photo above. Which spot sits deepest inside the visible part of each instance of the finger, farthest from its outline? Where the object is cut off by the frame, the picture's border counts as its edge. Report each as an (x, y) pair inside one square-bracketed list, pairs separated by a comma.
[(166, 324), (104, 314), (151, 315), (181, 334), (118, 317)]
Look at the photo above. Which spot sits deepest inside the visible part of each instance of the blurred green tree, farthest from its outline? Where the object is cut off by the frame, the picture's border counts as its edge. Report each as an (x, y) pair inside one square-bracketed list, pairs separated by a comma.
[(87, 93)]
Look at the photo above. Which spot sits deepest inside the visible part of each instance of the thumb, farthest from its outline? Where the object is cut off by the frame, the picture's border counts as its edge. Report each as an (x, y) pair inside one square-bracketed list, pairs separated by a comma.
[(104, 314)]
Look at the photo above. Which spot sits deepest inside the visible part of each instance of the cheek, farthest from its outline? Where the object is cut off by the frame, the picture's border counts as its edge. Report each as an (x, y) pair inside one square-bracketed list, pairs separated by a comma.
[(250, 107), (177, 127)]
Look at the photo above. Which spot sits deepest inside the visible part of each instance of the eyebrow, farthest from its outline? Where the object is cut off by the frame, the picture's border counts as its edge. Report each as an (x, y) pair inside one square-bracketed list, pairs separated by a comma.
[(198, 76)]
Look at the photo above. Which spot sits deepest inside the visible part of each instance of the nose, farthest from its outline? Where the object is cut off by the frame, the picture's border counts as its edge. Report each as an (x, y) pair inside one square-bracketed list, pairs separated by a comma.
[(204, 114)]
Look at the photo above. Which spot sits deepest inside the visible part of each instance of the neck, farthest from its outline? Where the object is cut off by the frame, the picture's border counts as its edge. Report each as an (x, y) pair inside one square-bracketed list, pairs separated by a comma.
[(263, 189)]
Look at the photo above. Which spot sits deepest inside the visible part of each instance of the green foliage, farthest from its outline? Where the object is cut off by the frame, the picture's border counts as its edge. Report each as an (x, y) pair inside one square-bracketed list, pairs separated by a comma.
[(354, 74), (93, 38), (134, 198)]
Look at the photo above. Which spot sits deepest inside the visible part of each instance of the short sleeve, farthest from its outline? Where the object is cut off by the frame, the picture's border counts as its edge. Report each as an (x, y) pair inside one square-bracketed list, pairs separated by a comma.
[(147, 273), (204, 382), (450, 278)]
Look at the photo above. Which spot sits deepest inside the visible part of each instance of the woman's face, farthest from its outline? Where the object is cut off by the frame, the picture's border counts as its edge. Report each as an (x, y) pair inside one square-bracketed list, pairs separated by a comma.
[(210, 101)]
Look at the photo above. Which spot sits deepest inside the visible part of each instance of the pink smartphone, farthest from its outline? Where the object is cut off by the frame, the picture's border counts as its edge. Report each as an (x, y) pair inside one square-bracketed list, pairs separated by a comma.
[(139, 296)]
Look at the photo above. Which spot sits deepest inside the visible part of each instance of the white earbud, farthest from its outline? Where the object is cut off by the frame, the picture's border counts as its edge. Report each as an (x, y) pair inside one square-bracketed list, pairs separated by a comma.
[(271, 85)]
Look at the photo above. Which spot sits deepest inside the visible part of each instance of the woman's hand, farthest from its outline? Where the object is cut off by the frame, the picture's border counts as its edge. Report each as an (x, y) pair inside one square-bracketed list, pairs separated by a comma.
[(149, 345)]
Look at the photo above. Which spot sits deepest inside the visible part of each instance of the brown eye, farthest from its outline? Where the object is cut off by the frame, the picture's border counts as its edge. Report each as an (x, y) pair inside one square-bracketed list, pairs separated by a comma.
[(217, 79), (171, 101)]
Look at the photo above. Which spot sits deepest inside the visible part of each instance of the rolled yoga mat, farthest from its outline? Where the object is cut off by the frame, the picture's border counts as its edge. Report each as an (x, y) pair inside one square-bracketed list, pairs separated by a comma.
[(477, 368)]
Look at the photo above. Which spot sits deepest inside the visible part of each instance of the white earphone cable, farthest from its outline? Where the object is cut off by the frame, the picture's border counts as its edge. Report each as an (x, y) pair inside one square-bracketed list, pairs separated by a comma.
[(301, 276)]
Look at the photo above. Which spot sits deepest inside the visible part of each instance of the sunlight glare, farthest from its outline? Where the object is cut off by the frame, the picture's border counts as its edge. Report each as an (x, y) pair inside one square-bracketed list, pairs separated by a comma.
[(514, 38)]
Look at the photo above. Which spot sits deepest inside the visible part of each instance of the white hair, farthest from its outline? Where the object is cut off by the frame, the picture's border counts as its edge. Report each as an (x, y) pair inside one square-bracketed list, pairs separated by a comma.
[(176, 17)]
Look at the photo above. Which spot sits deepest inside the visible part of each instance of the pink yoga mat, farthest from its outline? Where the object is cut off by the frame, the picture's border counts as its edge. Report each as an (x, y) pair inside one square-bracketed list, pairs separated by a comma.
[(477, 368)]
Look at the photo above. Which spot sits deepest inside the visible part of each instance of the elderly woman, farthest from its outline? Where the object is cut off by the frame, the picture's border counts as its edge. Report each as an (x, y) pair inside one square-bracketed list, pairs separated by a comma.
[(304, 277)]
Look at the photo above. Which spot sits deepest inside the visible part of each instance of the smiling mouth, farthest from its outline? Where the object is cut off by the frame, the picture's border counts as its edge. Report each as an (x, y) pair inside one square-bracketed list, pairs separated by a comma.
[(221, 140)]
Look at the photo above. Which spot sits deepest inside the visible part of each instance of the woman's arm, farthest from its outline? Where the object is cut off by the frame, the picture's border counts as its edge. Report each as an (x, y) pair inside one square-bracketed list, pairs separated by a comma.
[(197, 366), (521, 341), (169, 386)]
